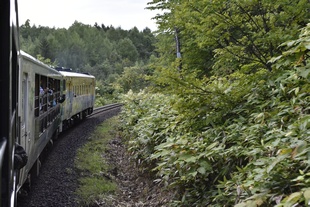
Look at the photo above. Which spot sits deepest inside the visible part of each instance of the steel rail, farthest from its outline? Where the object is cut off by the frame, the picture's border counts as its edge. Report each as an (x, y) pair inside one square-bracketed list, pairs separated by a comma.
[(108, 107)]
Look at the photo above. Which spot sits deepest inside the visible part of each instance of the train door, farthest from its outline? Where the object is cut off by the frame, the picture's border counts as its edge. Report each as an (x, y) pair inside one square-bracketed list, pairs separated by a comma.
[(71, 95), (24, 125), (25, 134)]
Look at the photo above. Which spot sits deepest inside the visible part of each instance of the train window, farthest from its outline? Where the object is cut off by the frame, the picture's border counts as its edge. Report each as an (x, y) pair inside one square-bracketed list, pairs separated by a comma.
[(37, 91), (57, 89), (41, 83)]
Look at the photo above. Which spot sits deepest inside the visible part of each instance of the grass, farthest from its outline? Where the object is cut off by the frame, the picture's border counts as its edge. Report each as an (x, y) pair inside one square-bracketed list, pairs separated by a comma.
[(93, 185)]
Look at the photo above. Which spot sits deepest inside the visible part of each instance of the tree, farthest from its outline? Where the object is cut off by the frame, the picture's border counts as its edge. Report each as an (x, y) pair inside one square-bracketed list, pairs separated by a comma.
[(45, 48), (99, 50), (127, 50), (219, 37), (133, 78)]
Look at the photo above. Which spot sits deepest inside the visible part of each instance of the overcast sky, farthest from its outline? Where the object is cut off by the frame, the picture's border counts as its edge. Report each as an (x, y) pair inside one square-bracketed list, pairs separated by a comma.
[(63, 13)]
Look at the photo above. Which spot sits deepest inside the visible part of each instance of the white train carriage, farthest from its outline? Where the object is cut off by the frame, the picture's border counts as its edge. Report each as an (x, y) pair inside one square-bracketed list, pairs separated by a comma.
[(39, 109), (79, 90)]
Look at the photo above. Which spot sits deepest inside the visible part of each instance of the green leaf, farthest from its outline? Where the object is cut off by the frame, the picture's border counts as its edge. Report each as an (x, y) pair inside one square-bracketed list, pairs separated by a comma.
[(276, 161), (307, 197), (304, 73), (202, 170), (193, 174), (206, 165), (294, 197), (259, 162), (241, 205), (247, 204), (188, 157)]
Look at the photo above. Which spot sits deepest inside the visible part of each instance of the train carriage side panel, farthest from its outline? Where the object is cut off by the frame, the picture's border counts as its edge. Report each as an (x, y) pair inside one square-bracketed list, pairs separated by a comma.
[(39, 120), (80, 96)]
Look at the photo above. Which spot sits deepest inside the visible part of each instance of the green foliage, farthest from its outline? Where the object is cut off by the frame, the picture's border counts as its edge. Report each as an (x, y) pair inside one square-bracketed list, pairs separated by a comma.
[(145, 117), (220, 37), (240, 139), (93, 185), (46, 61), (298, 53), (126, 49), (85, 48), (93, 189), (89, 156), (133, 78)]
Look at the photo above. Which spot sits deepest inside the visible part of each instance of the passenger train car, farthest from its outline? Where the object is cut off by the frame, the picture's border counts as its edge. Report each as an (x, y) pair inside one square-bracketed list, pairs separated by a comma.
[(39, 110), (79, 90), (37, 102)]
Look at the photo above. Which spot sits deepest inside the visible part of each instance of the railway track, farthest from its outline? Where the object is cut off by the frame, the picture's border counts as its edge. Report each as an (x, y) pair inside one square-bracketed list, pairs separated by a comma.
[(57, 181), (108, 107)]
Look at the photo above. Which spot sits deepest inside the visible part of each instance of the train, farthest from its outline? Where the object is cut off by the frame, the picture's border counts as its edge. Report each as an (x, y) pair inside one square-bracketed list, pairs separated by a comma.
[(37, 103)]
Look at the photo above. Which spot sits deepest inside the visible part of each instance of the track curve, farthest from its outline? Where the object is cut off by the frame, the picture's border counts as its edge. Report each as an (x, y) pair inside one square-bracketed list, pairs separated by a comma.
[(57, 181)]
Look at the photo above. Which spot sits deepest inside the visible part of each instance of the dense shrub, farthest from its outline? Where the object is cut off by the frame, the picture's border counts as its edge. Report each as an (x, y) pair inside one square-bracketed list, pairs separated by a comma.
[(238, 140)]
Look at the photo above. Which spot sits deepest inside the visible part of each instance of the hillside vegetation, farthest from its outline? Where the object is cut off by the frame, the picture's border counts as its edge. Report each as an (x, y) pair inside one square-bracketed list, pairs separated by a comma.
[(227, 123)]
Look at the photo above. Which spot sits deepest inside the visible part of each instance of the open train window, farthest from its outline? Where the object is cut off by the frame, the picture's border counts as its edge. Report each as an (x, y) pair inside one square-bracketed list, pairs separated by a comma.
[(40, 84), (64, 85), (37, 91), (47, 93)]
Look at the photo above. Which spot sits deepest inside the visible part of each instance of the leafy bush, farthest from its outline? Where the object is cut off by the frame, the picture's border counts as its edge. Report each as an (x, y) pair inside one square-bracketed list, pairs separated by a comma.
[(146, 118), (240, 139)]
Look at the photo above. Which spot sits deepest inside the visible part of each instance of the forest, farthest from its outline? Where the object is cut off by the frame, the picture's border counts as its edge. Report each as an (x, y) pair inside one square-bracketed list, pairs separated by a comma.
[(216, 101), (103, 51)]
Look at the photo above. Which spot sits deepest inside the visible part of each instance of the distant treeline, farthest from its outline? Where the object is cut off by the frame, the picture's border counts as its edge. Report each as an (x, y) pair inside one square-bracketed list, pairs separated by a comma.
[(101, 50)]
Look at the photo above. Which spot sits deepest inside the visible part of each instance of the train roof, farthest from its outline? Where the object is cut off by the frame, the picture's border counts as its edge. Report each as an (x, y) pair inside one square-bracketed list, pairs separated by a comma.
[(28, 57), (36, 61), (53, 70), (76, 75)]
